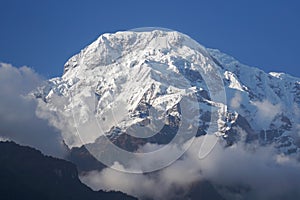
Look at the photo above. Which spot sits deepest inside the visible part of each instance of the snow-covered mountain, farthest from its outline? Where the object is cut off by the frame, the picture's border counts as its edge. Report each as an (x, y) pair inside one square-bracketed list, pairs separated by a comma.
[(149, 83)]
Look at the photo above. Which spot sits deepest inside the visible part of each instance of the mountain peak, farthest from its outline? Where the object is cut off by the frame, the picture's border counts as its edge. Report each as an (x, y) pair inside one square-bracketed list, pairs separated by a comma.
[(109, 48), (123, 78)]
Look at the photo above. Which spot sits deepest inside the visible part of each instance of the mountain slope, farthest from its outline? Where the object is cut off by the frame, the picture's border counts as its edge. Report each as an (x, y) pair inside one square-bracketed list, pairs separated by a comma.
[(27, 174), (268, 102)]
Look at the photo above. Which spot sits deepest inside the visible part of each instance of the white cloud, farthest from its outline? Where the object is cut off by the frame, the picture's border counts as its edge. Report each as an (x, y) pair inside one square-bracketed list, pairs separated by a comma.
[(266, 174), (236, 100), (266, 111), (18, 120), (77, 124)]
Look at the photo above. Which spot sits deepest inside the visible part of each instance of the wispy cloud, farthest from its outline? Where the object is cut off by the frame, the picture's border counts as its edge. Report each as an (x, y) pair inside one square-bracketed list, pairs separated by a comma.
[(266, 111), (236, 100)]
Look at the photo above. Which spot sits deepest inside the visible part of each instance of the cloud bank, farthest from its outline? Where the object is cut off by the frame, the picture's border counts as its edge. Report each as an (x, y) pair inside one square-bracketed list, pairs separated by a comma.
[(18, 120), (237, 172)]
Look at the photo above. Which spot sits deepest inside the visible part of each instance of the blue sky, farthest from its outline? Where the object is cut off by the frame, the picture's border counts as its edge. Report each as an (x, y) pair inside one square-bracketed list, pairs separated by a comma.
[(44, 34)]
